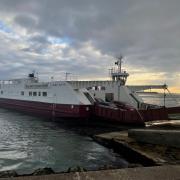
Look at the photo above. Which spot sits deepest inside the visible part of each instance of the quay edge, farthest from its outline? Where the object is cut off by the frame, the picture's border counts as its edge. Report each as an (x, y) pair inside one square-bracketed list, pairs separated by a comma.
[(149, 173)]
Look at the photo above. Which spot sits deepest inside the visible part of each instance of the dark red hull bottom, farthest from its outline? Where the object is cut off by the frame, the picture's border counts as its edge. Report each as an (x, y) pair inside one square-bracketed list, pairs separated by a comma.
[(132, 116), (117, 115), (47, 110), (173, 110), (84, 112)]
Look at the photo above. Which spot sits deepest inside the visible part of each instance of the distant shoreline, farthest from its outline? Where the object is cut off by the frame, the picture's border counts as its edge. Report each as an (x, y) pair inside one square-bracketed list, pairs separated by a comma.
[(148, 92)]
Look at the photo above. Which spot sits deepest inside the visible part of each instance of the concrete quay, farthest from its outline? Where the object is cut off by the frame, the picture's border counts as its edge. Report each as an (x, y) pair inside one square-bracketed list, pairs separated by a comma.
[(158, 144), (143, 173), (156, 136), (166, 124)]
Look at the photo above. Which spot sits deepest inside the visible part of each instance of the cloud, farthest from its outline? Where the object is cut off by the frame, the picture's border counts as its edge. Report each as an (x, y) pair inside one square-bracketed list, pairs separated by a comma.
[(25, 20), (82, 36)]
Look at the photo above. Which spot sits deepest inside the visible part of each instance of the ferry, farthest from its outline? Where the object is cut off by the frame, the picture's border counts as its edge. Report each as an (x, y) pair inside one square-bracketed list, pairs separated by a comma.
[(72, 99)]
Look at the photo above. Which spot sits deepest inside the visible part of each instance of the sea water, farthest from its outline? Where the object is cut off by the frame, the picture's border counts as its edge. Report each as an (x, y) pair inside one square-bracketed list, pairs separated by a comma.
[(169, 100), (28, 143)]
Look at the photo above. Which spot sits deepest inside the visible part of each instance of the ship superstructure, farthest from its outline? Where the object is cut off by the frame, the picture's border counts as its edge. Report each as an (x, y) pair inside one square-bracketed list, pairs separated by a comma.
[(116, 89)]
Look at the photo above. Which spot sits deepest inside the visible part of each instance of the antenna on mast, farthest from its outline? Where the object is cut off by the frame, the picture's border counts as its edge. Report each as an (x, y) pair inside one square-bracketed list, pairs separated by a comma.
[(66, 75), (119, 62)]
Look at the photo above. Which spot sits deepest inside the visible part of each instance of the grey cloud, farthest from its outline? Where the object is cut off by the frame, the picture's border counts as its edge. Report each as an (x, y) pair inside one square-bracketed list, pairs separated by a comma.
[(42, 39), (37, 44), (25, 20), (38, 49)]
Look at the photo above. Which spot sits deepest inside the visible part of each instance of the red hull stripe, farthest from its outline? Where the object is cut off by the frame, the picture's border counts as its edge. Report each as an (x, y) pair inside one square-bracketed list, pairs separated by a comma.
[(47, 109)]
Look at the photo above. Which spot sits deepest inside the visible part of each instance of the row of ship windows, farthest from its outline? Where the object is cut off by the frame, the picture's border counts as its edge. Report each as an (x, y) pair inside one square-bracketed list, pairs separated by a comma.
[(33, 93)]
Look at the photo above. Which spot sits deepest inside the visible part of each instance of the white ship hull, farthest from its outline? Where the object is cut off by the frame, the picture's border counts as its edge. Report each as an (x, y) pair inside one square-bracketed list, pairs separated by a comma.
[(48, 99)]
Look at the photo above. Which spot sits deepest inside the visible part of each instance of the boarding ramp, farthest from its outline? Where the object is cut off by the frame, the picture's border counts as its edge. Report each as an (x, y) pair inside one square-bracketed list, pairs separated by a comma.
[(146, 87)]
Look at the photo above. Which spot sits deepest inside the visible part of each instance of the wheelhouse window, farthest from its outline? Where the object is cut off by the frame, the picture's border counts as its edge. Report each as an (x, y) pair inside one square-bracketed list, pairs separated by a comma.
[(39, 93), (22, 93), (30, 93), (34, 93), (44, 93), (1, 92)]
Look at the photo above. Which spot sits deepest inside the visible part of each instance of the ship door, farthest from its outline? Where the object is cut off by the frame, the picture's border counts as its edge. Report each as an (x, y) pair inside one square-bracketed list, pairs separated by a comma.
[(109, 97)]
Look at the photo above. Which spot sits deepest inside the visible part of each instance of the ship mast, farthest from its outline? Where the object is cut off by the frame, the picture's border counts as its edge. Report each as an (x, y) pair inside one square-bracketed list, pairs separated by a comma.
[(117, 74), (119, 62)]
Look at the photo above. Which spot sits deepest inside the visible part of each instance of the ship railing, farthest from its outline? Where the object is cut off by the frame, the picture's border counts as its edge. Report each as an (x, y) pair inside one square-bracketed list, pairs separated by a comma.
[(146, 87), (115, 70), (87, 84), (13, 81)]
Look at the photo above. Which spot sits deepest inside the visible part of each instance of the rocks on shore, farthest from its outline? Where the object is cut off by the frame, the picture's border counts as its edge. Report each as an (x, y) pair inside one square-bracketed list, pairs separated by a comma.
[(7, 174), (42, 171), (76, 169)]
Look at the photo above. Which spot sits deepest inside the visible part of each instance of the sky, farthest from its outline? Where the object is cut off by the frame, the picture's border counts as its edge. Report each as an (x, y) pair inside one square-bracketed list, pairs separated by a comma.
[(82, 37)]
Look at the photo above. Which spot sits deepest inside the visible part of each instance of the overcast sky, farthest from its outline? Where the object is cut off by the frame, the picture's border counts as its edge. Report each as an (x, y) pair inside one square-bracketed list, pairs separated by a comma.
[(82, 37)]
